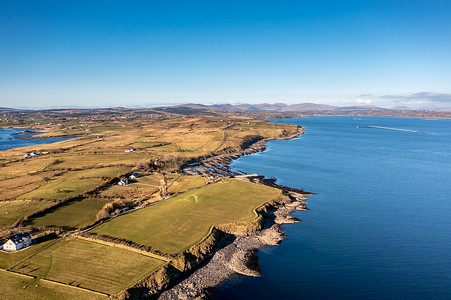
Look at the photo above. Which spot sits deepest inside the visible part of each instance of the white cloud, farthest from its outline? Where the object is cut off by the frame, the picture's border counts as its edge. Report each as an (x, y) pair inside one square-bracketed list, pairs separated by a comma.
[(363, 101)]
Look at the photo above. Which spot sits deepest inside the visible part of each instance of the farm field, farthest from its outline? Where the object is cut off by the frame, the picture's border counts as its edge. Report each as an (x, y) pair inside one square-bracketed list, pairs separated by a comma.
[(8, 260), (14, 286), (10, 211), (89, 265), (73, 183), (14, 187), (74, 214), (177, 223), (178, 184), (78, 177)]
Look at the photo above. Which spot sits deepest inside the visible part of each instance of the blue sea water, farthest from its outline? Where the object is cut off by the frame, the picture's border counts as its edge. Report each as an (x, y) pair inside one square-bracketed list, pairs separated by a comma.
[(380, 226), (9, 141)]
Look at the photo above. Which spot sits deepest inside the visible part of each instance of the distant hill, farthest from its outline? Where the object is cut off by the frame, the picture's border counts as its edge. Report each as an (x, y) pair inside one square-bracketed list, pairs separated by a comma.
[(402, 108), (293, 110), (441, 109), (360, 107), (282, 107), (274, 107)]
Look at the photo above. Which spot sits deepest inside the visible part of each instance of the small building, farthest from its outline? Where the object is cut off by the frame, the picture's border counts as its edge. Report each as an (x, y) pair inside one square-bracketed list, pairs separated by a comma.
[(18, 242), (28, 155), (134, 176), (123, 181), (129, 150)]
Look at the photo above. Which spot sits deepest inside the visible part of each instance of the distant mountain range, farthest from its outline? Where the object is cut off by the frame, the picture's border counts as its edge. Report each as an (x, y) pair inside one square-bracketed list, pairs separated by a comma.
[(273, 107), (304, 107)]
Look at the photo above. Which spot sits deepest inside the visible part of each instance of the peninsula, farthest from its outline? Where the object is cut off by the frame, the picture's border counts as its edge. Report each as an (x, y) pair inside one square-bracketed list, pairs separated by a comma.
[(135, 201)]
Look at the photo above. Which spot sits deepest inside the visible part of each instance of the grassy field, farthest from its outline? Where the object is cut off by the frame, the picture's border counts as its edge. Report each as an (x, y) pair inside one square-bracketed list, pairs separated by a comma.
[(178, 184), (14, 286), (10, 211), (101, 158), (130, 192), (162, 141), (89, 265), (8, 260), (72, 183), (13, 187), (175, 224), (72, 214)]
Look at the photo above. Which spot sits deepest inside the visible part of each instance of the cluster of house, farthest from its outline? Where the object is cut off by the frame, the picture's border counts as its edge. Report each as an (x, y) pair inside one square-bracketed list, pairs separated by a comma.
[(32, 154), (125, 181), (28, 155), (18, 242)]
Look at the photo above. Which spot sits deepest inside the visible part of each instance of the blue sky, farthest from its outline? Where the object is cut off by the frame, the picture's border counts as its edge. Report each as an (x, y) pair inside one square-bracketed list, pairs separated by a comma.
[(147, 53)]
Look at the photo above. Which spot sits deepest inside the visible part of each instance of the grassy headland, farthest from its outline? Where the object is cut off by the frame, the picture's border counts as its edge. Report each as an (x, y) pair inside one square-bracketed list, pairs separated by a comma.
[(70, 186)]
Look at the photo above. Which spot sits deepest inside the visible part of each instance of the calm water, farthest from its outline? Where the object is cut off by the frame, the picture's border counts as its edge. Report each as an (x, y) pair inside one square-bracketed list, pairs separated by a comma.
[(8, 141), (380, 226)]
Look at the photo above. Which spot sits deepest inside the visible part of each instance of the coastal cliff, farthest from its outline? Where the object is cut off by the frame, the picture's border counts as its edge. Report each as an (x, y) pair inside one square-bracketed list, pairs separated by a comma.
[(229, 248)]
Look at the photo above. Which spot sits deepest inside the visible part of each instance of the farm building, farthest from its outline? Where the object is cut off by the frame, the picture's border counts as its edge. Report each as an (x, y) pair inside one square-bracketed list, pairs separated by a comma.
[(123, 181), (134, 176), (28, 155), (130, 150), (18, 242)]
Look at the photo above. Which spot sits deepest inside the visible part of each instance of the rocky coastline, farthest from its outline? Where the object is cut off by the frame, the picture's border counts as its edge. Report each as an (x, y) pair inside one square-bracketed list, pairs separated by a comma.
[(235, 253)]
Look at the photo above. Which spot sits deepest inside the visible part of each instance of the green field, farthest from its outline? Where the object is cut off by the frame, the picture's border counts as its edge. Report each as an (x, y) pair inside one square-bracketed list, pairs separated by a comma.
[(163, 141), (72, 214), (179, 184), (73, 183), (89, 265), (14, 286), (10, 211), (177, 223), (8, 260)]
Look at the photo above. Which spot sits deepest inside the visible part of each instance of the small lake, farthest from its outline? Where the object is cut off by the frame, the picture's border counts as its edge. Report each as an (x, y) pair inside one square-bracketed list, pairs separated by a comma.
[(9, 140), (380, 226)]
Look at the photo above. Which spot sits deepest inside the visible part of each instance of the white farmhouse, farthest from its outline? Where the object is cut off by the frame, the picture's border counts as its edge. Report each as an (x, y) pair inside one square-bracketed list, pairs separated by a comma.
[(134, 176), (129, 150), (28, 155), (18, 242), (123, 181)]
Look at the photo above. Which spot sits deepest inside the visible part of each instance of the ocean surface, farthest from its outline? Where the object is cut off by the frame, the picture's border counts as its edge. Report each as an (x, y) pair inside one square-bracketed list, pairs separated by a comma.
[(380, 226), (9, 141)]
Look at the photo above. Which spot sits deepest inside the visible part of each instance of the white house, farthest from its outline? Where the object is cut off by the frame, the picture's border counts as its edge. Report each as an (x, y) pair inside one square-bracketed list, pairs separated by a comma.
[(18, 242), (129, 150), (134, 176), (123, 181), (28, 155)]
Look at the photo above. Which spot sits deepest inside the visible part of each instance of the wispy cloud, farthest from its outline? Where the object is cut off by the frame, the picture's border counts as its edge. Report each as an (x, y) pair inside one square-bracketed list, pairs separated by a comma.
[(364, 101), (421, 98)]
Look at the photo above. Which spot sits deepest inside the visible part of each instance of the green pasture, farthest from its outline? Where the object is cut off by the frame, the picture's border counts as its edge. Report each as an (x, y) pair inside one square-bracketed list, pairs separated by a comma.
[(10, 211), (178, 184), (73, 214), (89, 265), (83, 160), (8, 260), (72, 183), (177, 223), (14, 286)]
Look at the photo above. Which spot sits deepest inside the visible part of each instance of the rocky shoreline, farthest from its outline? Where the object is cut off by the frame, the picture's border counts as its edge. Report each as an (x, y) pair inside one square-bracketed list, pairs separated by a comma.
[(218, 165), (235, 254)]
